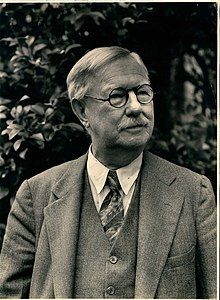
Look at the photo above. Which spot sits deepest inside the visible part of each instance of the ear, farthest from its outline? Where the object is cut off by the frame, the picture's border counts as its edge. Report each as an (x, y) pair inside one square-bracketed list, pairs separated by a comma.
[(78, 108)]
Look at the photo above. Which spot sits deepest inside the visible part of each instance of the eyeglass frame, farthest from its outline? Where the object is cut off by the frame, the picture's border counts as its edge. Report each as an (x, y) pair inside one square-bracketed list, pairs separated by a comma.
[(135, 89)]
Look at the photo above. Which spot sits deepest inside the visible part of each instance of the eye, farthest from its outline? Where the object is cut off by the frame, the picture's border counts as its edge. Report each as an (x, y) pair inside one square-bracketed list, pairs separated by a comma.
[(117, 93), (118, 97), (145, 90)]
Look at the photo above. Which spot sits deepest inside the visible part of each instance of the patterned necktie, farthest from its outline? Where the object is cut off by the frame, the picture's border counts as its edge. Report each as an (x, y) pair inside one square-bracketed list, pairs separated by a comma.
[(112, 210)]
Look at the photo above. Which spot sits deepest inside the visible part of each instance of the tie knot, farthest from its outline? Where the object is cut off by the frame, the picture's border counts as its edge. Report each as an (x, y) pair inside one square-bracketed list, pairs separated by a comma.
[(112, 181)]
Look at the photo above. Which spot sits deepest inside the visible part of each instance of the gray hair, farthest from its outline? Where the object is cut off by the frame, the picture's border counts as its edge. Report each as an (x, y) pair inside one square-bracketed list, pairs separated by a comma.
[(79, 78)]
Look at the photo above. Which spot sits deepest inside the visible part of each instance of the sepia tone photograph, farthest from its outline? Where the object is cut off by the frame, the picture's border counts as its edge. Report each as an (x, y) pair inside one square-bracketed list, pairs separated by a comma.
[(108, 150)]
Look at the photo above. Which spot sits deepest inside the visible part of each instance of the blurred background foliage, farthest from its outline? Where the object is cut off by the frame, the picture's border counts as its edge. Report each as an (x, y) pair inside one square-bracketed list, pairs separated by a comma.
[(40, 43)]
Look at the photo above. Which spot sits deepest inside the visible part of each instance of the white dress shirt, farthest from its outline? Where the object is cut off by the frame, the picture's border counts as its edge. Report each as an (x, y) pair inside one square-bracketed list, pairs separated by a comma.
[(127, 176)]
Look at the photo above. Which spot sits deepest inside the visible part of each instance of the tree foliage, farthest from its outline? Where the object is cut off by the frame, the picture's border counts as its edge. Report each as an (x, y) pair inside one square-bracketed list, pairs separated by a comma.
[(41, 42)]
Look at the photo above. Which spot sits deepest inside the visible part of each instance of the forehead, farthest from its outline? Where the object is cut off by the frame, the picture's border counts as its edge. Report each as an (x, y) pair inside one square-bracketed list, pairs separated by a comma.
[(124, 72)]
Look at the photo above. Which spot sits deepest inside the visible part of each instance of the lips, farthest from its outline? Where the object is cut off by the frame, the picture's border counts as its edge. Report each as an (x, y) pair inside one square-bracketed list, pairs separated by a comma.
[(135, 126)]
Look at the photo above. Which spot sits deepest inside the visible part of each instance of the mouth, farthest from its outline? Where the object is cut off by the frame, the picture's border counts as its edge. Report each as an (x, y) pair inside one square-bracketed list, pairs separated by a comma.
[(135, 127)]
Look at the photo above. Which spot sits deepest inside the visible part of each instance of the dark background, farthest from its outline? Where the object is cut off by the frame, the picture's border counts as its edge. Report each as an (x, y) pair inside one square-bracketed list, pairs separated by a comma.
[(39, 44)]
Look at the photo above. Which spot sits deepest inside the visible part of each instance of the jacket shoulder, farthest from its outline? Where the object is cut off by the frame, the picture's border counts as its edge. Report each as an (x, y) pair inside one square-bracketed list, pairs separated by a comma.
[(191, 185), (166, 168), (163, 163), (40, 186)]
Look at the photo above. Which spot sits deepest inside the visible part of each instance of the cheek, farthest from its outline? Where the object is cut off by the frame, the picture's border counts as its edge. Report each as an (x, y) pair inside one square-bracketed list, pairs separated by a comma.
[(111, 118), (104, 119), (148, 111)]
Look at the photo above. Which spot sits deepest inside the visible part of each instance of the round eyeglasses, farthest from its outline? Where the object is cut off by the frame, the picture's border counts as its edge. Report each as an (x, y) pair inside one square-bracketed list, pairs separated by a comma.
[(119, 96)]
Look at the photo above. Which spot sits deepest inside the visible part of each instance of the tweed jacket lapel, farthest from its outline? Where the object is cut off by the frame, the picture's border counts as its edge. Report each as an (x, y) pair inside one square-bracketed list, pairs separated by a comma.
[(160, 206), (62, 222)]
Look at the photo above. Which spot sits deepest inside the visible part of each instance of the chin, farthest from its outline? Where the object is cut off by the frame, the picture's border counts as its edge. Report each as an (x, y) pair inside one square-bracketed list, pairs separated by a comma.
[(134, 143)]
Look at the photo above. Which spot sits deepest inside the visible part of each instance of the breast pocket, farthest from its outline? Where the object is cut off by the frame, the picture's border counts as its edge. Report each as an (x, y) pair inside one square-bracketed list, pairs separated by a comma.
[(180, 260)]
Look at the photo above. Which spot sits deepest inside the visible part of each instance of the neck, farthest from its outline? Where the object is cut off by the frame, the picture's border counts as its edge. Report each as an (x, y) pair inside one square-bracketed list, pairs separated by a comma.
[(116, 158)]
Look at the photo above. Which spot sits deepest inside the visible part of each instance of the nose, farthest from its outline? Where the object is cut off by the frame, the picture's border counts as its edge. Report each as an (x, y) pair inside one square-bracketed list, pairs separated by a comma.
[(133, 106)]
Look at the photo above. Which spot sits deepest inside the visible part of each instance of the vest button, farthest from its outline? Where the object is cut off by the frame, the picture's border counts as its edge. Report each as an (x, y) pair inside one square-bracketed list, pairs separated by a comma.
[(113, 259), (110, 290)]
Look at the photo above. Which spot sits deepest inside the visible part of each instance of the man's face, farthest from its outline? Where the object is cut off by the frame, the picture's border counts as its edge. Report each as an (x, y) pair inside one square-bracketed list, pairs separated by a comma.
[(111, 127)]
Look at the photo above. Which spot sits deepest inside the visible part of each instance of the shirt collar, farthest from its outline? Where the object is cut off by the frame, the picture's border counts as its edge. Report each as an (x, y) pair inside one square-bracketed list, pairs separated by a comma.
[(98, 173)]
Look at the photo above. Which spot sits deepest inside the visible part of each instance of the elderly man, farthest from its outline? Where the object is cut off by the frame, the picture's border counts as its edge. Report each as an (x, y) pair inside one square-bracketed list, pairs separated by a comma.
[(119, 222)]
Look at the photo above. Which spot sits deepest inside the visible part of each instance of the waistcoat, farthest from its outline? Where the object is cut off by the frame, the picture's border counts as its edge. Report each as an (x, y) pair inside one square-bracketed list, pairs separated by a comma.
[(103, 271)]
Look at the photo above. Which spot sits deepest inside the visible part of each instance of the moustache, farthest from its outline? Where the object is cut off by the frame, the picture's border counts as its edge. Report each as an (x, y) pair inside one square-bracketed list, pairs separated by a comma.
[(132, 122)]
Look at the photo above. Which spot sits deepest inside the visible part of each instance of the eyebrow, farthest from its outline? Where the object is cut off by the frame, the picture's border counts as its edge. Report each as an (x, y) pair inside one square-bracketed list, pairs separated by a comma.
[(114, 87)]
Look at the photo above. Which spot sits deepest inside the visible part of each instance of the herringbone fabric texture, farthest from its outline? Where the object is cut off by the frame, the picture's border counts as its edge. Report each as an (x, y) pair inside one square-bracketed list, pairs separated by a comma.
[(112, 210)]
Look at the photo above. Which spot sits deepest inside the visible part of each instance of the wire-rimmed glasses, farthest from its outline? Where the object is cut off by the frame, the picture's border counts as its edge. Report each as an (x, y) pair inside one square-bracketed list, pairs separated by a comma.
[(118, 97)]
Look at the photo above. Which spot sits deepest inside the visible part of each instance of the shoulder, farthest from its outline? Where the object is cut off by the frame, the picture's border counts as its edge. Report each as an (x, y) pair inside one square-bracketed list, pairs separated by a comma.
[(195, 187), (36, 192), (41, 185), (164, 166), (182, 177)]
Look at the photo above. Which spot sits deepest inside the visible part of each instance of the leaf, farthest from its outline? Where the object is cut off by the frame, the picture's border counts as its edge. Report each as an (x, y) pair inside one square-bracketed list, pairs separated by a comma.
[(72, 47), (14, 57), (12, 125), (13, 112), (3, 107), (17, 144), (5, 131), (74, 126), (4, 191), (8, 39), (25, 97), (142, 21), (3, 116), (39, 47), (96, 14), (205, 146), (4, 101), (48, 126), (37, 136), (44, 7), (41, 144), (51, 136), (25, 51), (30, 40), (19, 109), (13, 42), (16, 70), (78, 24), (23, 153), (7, 147), (13, 133), (37, 109), (49, 111), (127, 20), (3, 74), (27, 108), (2, 161)]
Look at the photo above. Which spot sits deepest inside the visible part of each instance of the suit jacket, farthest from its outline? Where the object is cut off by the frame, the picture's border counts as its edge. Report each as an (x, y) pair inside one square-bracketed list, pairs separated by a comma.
[(176, 254)]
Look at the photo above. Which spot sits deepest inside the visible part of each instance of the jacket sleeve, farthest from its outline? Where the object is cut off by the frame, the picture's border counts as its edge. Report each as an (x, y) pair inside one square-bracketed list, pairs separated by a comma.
[(206, 242), (17, 256)]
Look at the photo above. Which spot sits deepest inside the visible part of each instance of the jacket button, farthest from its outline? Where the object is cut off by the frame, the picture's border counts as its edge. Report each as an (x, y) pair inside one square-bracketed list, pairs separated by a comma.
[(113, 259), (110, 290)]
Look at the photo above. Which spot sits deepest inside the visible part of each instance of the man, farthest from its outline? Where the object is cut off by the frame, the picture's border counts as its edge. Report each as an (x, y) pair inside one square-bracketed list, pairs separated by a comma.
[(119, 222)]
